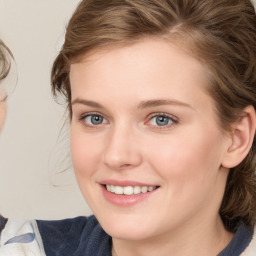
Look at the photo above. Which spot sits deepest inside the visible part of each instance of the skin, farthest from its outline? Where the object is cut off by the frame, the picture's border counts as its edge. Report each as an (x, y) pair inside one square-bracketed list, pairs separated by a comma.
[(184, 158)]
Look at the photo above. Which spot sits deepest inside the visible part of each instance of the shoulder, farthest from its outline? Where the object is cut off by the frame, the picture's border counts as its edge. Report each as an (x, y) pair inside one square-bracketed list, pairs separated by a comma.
[(61, 235), (64, 227), (251, 249), (73, 236), (241, 240)]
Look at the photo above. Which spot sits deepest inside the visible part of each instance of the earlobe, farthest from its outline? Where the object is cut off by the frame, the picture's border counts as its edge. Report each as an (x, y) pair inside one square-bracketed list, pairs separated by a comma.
[(242, 135)]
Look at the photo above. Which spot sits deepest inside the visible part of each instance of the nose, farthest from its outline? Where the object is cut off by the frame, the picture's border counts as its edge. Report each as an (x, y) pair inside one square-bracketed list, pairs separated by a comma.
[(122, 149)]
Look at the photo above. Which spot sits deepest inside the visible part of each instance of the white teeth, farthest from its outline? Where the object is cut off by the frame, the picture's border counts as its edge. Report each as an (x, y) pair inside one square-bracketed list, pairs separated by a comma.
[(136, 190), (119, 190), (144, 189), (129, 190), (112, 188), (150, 189)]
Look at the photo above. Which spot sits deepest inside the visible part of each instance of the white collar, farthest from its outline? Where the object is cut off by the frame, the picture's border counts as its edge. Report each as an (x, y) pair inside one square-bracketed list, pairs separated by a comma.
[(21, 238)]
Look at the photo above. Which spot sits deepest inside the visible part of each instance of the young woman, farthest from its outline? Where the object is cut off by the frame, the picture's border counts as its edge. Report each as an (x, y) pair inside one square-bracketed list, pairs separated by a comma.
[(161, 96), (17, 237)]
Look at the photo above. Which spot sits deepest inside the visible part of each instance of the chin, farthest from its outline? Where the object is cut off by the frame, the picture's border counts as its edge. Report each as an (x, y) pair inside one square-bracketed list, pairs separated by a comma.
[(125, 232), (125, 226)]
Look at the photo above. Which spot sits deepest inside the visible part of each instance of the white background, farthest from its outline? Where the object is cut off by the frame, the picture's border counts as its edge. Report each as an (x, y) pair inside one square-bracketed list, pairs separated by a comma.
[(30, 155)]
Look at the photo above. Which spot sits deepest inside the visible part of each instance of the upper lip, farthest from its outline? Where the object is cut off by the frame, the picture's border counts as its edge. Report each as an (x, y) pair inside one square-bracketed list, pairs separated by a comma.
[(125, 183)]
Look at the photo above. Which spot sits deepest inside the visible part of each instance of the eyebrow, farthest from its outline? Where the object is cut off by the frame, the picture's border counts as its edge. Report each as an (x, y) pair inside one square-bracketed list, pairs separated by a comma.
[(142, 105), (87, 103), (161, 102)]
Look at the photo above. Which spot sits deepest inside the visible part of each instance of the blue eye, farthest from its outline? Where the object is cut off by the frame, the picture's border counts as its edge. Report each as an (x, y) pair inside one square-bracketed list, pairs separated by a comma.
[(94, 119), (161, 120)]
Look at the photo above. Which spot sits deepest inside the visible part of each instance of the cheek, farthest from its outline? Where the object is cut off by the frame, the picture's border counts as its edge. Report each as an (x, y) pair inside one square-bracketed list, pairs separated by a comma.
[(189, 170), (85, 153), (187, 160)]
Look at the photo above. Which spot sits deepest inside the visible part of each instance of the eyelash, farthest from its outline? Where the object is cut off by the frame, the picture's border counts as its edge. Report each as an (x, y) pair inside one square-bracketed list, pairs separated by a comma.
[(170, 118), (84, 116)]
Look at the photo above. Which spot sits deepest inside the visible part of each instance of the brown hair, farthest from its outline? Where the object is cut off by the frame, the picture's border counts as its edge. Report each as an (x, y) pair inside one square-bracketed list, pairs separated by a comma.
[(221, 34), (5, 63)]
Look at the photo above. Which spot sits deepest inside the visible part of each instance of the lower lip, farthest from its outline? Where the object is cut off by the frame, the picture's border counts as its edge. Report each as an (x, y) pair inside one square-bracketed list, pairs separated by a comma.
[(125, 200)]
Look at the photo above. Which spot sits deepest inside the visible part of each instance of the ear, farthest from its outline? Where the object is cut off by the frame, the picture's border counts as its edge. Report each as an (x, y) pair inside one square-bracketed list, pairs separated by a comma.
[(242, 135)]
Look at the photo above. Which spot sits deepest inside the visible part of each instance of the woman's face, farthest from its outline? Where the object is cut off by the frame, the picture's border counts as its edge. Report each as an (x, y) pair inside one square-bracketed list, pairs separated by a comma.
[(144, 125)]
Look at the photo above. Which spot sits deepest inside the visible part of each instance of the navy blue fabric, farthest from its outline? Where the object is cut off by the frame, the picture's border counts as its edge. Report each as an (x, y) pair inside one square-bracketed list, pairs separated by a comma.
[(80, 236), (2, 223), (240, 241), (83, 236)]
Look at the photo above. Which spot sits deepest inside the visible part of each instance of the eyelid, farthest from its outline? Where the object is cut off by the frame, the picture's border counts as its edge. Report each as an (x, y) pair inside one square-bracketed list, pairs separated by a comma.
[(84, 115), (174, 119)]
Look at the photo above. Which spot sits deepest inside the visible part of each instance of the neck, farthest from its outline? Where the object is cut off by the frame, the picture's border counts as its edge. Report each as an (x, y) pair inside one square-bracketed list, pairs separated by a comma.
[(200, 241)]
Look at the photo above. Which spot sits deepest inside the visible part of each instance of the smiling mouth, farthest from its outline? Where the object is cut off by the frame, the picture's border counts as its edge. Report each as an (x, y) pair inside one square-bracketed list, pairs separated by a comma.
[(130, 190)]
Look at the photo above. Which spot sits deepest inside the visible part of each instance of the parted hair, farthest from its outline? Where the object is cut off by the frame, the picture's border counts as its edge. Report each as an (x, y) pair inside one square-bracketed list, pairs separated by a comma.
[(221, 34)]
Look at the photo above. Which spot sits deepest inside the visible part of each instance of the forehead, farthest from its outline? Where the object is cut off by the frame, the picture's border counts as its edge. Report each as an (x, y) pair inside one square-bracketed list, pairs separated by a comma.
[(149, 60)]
